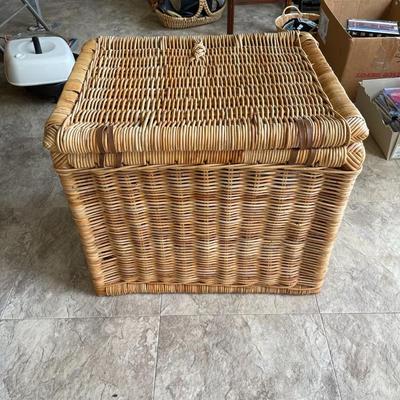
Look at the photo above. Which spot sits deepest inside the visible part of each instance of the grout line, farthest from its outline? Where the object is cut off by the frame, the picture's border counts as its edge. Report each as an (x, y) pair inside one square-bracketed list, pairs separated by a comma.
[(316, 302), (362, 313), (200, 315), (158, 342), (153, 315), (330, 352), (285, 314), (84, 317), (240, 314)]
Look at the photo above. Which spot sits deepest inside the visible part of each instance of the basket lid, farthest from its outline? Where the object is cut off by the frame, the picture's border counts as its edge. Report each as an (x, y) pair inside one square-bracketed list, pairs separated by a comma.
[(233, 93)]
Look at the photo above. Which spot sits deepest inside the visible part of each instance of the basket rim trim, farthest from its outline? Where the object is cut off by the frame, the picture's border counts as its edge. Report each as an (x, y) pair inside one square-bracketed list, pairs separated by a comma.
[(60, 118), (261, 167)]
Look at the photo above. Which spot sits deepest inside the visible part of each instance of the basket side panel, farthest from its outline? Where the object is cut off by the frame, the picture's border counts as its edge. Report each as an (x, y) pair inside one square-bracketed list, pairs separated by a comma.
[(208, 228)]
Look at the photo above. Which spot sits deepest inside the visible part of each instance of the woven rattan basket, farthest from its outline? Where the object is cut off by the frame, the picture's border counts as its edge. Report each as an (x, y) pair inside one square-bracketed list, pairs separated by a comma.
[(203, 16), (214, 164), (285, 17)]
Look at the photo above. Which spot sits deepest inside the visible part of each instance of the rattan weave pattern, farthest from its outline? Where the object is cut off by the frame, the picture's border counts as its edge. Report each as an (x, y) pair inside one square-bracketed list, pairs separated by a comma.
[(214, 164), (263, 228), (247, 93)]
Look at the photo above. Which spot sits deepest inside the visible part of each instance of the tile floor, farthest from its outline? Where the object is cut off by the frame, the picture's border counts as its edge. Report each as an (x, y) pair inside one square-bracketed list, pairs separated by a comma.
[(59, 341)]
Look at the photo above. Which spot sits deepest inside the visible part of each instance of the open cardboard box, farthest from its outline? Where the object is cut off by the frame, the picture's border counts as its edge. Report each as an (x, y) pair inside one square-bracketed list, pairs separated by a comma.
[(356, 59), (388, 141)]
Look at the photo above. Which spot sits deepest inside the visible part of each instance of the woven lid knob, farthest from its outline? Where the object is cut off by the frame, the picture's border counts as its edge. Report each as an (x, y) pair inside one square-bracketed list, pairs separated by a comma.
[(198, 51)]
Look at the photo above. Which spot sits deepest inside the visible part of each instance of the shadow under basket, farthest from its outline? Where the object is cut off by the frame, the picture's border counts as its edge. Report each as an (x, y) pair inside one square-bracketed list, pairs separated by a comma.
[(212, 164), (198, 19)]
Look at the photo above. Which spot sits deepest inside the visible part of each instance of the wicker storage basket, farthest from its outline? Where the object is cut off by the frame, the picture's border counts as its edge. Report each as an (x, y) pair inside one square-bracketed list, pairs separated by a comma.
[(198, 19), (214, 164), (285, 17)]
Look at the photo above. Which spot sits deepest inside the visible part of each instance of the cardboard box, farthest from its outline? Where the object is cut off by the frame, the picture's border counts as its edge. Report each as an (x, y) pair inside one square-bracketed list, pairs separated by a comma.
[(388, 141), (356, 59)]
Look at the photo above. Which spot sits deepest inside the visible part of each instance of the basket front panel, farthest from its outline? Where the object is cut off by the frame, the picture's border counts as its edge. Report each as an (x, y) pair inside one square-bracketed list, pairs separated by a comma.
[(230, 228)]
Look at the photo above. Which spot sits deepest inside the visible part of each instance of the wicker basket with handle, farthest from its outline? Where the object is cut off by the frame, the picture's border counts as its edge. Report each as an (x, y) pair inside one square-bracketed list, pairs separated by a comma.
[(206, 164), (203, 16), (294, 13)]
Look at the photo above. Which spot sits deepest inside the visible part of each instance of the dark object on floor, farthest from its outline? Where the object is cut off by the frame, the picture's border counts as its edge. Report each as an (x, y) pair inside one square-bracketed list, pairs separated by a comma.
[(293, 19), (183, 8), (372, 28), (178, 14), (188, 8), (73, 44), (309, 5), (301, 24), (51, 92), (231, 9)]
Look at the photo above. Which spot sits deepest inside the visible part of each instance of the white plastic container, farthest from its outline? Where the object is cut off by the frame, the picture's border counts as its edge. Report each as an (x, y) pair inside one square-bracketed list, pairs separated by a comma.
[(24, 66)]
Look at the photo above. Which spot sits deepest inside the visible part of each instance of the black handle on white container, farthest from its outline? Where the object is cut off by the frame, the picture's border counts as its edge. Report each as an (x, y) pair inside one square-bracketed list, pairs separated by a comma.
[(36, 44)]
